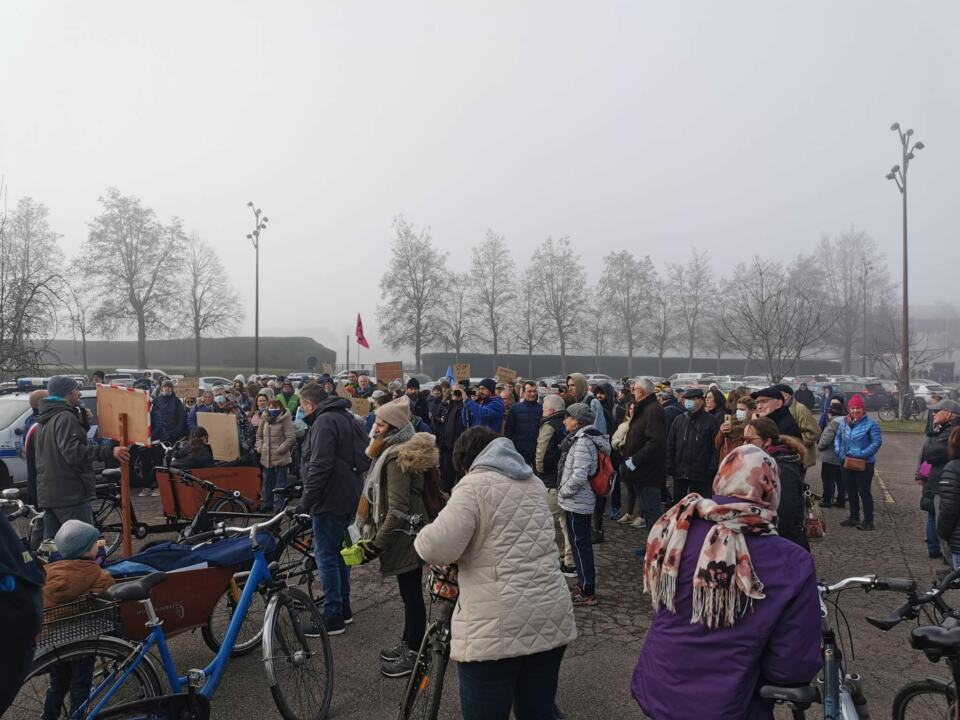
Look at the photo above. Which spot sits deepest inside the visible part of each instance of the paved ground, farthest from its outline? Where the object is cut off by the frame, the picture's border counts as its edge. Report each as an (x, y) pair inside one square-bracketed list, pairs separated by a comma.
[(595, 675)]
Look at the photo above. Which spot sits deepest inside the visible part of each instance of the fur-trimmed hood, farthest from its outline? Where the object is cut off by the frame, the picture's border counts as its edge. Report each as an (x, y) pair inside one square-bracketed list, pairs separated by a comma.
[(794, 446), (418, 454)]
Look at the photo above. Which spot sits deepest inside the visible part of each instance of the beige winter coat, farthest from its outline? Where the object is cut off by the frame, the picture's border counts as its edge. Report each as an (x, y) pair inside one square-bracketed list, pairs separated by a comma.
[(497, 527), (275, 440)]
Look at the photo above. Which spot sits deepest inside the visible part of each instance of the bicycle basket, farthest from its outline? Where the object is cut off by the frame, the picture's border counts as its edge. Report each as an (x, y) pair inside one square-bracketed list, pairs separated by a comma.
[(90, 616), (443, 582)]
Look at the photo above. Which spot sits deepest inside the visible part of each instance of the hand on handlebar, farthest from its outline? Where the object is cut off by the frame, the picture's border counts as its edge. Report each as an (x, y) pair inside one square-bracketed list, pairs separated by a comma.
[(370, 551), (121, 454)]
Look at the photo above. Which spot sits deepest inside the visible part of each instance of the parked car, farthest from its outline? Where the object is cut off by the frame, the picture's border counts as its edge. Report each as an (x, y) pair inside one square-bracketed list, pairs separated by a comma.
[(208, 381), (875, 396), (924, 389), (119, 378), (154, 376), (687, 379), (14, 411)]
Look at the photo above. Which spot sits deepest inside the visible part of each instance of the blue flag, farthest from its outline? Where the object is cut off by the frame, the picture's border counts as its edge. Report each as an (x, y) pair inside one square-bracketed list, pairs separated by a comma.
[(450, 374)]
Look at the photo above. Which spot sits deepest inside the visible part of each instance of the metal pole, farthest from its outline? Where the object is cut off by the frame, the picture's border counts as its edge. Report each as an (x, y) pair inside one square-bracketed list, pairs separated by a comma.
[(256, 305), (905, 340), (864, 369), (347, 366)]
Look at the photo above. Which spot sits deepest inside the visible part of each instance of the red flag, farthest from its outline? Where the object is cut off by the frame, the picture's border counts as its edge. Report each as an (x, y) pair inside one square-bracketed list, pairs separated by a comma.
[(361, 340)]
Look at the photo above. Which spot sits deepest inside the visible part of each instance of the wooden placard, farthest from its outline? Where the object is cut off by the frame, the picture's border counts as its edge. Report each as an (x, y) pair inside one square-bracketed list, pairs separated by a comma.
[(187, 387), (461, 372), (387, 372), (360, 406), (327, 368), (222, 429), (116, 400), (341, 389), (506, 375)]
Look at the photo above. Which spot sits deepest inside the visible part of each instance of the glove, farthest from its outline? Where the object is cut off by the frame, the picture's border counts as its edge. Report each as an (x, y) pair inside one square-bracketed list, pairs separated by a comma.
[(628, 464), (370, 551)]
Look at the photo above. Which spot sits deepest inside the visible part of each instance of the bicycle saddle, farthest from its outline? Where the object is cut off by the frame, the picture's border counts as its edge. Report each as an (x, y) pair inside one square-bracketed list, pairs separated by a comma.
[(802, 696), (935, 637), (110, 474), (136, 589)]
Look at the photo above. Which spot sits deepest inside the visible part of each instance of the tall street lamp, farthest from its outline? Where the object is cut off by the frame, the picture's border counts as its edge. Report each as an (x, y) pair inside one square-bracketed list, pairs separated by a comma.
[(866, 268), (254, 237), (898, 173)]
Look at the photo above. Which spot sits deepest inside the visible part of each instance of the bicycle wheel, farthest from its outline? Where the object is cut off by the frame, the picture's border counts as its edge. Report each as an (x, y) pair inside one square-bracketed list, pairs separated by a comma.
[(102, 656), (251, 631), (887, 414), (421, 701), (236, 508), (925, 699), (299, 668), (108, 517)]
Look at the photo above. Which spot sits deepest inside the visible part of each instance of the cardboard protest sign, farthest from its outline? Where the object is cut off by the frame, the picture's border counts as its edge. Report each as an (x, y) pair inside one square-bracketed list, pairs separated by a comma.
[(461, 372), (387, 372), (187, 387), (114, 401), (342, 390), (506, 375), (222, 429), (361, 406), (327, 368)]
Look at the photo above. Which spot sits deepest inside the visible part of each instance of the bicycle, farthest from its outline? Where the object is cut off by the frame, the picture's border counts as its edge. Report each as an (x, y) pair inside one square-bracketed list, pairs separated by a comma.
[(287, 651), (916, 409), (26, 519)]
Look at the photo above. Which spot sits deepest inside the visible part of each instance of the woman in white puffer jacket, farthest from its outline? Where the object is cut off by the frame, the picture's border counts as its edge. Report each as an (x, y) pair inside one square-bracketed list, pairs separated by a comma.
[(514, 618)]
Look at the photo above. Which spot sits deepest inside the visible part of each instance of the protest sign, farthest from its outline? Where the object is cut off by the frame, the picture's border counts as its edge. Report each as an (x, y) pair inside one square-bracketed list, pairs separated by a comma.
[(187, 387), (387, 372), (327, 368), (361, 406), (222, 429), (506, 375), (461, 372), (114, 401)]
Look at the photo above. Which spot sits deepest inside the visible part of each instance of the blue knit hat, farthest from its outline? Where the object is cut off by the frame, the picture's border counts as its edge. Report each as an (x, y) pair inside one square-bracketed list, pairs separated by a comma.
[(75, 538)]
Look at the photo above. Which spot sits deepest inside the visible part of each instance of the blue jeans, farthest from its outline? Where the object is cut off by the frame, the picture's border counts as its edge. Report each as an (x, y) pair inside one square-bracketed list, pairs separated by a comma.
[(72, 677), (933, 542), (956, 560), (275, 477), (527, 683), (578, 530), (650, 504), (53, 518), (328, 532), (858, 488)]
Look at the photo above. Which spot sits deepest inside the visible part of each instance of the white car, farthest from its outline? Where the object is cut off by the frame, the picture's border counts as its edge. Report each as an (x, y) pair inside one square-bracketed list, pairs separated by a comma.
[(924, 389), (14, 411), (208, 381), (690, 377)]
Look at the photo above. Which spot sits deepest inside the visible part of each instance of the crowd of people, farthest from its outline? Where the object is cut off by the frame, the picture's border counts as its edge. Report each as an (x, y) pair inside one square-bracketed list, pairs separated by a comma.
[(715, 484)]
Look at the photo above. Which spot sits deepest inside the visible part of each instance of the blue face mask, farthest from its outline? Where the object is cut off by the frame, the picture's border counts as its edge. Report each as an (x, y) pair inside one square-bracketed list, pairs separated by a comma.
[(273, 412), (219, 399), (689, 405)]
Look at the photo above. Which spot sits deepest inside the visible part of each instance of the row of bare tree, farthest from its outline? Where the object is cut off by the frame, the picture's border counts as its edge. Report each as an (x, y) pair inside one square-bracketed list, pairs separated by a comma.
[(134, 274), (836, 301)]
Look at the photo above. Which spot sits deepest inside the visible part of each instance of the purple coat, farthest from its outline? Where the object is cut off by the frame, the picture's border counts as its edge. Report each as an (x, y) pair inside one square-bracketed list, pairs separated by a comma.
[(690, 671)]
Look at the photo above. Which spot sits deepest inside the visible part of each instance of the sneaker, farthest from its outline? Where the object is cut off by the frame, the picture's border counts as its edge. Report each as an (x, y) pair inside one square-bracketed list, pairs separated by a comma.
[(866, 526), (614, 513), (597, 537), (638, 523), (568, 570), (934, 555), (394, 653), (155, 492), (850, 522), (575, 590), (581, 600), (334, 625), (144, 493), (347, 615), (400, 667), (625, 518)]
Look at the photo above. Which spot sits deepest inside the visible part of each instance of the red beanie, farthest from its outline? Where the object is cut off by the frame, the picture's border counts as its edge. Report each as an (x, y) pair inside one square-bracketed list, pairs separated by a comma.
[(856, 401)]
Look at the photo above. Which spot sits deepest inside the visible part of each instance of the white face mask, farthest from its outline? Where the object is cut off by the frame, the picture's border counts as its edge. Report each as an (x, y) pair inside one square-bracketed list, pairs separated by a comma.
[(741, 415)]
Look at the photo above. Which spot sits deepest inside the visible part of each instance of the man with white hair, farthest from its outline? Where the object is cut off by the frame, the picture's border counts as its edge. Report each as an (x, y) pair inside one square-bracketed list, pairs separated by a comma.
[(643, 471), (547, 456)]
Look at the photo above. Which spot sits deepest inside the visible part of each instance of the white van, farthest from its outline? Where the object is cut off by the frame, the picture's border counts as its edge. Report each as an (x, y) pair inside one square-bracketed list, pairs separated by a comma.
[(688, 377), (155, 376)]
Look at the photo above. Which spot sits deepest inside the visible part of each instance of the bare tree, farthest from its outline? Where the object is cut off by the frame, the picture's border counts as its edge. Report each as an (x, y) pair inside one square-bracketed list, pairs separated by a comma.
[(663, 331), (212, 306), (886, 347), (597, 329), (691, 297), (772, 314), (562, 282), (455, 327), (412, 289), (532, 326), (853, 279), (625, 290), (130, 253), (84, 311), (30, 288), (492, 282)]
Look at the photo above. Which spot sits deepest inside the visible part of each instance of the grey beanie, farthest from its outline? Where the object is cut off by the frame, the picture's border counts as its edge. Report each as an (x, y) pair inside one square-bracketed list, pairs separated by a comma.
[(75, 538), (62, 385), (582, 413)]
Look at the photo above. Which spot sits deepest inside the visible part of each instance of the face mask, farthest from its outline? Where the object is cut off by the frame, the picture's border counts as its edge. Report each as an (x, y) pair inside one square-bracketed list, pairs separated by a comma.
[(741, 415), (273, 412), (688, 405), (219, 399), (166, 392)]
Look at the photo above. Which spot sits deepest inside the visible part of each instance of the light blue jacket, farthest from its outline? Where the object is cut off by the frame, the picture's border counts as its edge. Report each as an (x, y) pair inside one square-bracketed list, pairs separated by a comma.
[(861, 439)]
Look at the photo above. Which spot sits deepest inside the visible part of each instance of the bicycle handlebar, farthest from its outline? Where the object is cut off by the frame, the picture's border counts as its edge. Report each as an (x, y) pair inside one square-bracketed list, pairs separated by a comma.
[(910, 610), (252, 530)]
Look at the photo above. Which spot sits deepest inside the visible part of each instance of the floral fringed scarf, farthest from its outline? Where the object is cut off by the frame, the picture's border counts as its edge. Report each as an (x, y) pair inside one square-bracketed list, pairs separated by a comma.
[(724, 584)]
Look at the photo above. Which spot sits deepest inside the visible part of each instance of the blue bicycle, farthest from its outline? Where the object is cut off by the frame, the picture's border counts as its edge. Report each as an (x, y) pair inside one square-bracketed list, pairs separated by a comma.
[(103, 677)]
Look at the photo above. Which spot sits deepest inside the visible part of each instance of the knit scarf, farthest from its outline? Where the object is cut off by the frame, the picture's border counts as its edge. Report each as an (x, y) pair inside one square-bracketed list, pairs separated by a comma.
[(724, 584), (367, 521)]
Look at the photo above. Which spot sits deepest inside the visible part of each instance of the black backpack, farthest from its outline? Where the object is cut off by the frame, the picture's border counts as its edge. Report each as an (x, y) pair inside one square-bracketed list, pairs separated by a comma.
[(360, 462)]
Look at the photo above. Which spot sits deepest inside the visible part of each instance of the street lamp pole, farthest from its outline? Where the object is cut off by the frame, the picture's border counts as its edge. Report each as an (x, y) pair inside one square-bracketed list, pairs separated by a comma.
[(898, 173), (254, 237), (864, 368)]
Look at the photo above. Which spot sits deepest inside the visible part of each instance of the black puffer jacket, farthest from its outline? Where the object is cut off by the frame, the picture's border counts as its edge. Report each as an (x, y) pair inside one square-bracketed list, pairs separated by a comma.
[(935, 453), (328, 455), (790, 514), (785, 423), (948, 519), (646, 445), (691, 453)]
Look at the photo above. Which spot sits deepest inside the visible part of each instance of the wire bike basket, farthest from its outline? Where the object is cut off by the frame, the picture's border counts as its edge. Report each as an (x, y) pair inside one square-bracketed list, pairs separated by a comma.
[(90, 616), (444, 583)]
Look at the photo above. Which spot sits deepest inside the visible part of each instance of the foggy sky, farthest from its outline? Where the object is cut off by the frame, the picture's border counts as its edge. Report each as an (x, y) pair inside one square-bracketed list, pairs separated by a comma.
[(733, 127)]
